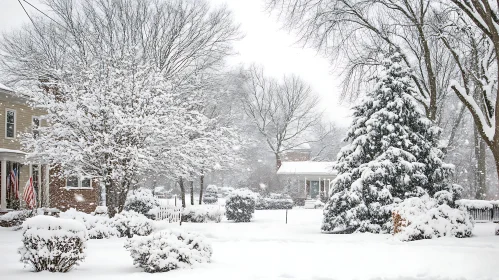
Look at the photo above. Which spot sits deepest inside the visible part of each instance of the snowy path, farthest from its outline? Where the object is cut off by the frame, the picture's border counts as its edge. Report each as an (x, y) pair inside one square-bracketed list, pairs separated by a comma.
[(269, 249)]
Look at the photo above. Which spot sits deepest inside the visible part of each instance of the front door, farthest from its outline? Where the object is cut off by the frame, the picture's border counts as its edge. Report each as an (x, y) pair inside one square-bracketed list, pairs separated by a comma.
[(314, 189)]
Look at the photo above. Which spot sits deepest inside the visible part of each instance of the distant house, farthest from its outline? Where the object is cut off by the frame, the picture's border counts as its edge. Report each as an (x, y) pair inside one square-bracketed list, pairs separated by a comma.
[(309, 178), (51, 190)]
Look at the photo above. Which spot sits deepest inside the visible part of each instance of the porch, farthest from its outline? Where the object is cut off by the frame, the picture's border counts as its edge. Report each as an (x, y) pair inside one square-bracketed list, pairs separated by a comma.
[(307, 179), (13, 167)]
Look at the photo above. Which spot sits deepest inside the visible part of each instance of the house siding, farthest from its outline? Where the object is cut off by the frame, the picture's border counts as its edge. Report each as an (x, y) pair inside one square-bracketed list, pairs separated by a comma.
[(62, 198), (24, 115)]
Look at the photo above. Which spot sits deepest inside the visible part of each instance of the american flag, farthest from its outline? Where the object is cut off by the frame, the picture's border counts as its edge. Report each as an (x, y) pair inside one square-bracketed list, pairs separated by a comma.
[(29, 194), (15, 185)]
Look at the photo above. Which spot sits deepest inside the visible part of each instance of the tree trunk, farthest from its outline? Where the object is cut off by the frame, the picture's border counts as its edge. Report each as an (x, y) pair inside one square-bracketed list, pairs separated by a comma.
[(110, 197), (192, 192), (201, 188), (277, 161), (480, 167), (182, 191)]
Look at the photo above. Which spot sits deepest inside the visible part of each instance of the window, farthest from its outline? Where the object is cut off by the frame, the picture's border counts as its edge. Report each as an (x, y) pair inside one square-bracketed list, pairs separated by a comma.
[(10, 123), (35, 126), (74, 182)]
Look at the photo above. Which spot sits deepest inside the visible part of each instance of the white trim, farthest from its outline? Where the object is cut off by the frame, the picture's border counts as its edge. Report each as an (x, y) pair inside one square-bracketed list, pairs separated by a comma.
[(15, 122), (80, 179)]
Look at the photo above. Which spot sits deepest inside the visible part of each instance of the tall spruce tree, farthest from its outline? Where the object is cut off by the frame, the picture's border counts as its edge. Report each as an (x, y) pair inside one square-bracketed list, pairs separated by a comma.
[(393, 155)]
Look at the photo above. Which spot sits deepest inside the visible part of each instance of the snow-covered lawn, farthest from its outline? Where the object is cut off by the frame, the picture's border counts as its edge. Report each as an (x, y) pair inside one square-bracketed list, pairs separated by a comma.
[(267, 248)]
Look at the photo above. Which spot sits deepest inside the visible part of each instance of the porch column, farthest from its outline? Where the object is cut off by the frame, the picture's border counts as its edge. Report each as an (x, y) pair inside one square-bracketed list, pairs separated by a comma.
[(3, 185), (46, 184), (305, 189), (40, 185)]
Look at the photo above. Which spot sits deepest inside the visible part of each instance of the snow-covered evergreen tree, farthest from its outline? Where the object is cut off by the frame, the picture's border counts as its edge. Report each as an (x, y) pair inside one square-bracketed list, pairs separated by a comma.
[(393, 155)]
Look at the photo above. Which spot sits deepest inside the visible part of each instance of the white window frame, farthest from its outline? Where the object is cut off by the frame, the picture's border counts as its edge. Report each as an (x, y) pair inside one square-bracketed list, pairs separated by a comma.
[(33, 125), (15, 122), (80, 179)]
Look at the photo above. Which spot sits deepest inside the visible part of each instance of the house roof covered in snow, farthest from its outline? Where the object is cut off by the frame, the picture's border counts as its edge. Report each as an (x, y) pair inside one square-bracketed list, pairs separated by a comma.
[(307, 168)]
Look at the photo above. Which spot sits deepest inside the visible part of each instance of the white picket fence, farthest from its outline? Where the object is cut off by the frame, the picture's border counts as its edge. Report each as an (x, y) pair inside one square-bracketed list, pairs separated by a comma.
[(170, 213)]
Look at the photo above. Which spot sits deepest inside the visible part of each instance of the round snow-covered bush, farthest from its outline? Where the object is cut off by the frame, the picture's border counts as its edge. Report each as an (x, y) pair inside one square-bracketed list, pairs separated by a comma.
[(240, 205), (16, 218), (141, 201), (53, 244), (203, 214), (168, 250), (423, 218), (211, 195), (130, 223), (497, 229), (98, 227)]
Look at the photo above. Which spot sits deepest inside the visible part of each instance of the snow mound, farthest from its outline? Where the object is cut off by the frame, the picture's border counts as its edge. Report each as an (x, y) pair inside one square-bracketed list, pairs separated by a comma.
[(98, 227), (423, 218), (168, 250), (130, 223), (53, 244)]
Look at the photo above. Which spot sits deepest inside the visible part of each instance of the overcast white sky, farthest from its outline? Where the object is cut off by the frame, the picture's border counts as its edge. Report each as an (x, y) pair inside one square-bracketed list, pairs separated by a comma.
[(264, 43)]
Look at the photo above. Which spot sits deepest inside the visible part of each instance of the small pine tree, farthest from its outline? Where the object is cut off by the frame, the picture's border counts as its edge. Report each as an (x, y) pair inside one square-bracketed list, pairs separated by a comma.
[(393, 155)]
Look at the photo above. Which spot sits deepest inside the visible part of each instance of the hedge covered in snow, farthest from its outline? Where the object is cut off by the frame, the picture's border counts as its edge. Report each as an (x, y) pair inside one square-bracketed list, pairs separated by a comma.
[(130, 223), (168, 250), (423, 218), (98, 227), (211, 195), (240, 205), (16, 218), (53, 244), (203, 214), (477, 204), (274, 202), (141, 201)]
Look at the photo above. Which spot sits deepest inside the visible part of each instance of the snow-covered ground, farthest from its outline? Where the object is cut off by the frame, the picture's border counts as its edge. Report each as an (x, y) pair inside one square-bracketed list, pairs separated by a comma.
[(267, 248)]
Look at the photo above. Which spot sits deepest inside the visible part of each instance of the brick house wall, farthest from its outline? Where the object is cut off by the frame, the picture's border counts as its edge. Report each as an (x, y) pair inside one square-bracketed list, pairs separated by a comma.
[(63, 198), (296, 156)]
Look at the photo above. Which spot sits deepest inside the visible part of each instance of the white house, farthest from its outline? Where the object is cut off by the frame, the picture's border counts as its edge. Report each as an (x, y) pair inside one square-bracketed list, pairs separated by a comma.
[(311, 177)]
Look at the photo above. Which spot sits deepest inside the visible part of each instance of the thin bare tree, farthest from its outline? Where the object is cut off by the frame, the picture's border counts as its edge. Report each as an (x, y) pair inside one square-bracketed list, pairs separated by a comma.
[(284, 112)]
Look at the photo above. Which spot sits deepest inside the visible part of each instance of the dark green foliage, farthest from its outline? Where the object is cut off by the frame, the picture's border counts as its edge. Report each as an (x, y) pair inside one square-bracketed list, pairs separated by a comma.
[(240, 206), (393, 155)]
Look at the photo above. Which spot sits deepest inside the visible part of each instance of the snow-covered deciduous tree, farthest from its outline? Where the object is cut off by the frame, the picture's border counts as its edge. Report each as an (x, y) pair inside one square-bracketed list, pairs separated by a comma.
[(472, 39), (119, 80), (112, 120), (393, 155)]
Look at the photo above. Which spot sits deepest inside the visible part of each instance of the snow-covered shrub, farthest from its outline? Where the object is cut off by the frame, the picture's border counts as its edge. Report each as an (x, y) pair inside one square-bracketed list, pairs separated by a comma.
[(476, 204), (100, 211), (16, 218), (497, 229), (141, 201), (211, 195), (168, 250), (53, 244), (240, 205), (424, 218), (130, 223), (98, 227), (203, 214), (225, 191), (274, 201)]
